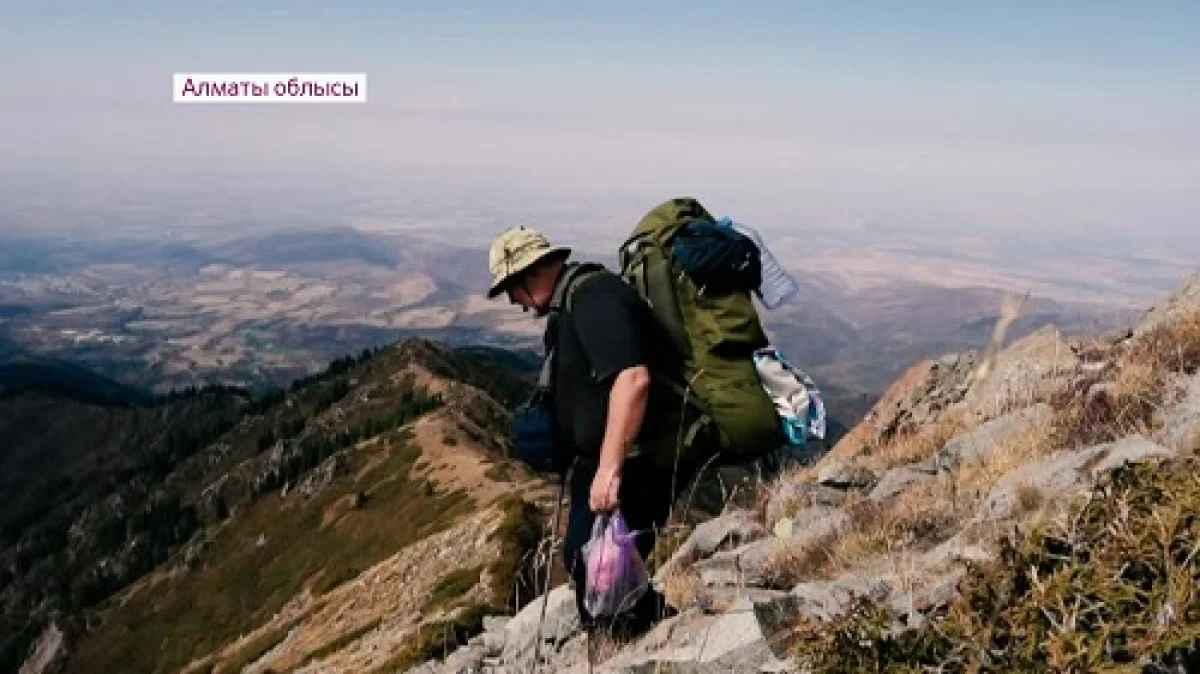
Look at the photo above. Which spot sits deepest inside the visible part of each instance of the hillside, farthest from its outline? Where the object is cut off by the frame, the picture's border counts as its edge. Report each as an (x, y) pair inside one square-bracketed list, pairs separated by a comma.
[(24, 373), (1031, 508), (293, 248), (212, 525)]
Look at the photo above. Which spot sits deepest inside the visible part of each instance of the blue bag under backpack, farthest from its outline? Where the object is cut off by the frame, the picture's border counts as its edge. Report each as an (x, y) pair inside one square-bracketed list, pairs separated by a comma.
[(718, 257), (532, 430)]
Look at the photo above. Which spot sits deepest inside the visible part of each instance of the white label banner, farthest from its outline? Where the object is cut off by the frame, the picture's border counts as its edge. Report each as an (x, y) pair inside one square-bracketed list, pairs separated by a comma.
[(269, 88)]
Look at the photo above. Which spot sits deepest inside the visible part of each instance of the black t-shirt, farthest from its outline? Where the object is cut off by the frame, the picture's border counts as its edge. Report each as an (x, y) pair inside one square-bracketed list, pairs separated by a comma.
[(608, 330)]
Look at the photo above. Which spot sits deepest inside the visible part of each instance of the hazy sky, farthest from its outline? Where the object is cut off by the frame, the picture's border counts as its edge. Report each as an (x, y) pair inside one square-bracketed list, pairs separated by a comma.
[(1069, 115)]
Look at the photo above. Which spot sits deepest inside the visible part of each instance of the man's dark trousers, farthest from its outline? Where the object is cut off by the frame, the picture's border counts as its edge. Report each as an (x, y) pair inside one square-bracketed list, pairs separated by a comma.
[(645, 503)]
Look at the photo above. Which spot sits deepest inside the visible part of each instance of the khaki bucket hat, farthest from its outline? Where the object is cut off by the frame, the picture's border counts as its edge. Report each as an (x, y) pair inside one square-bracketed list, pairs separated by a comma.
[(514, 251)]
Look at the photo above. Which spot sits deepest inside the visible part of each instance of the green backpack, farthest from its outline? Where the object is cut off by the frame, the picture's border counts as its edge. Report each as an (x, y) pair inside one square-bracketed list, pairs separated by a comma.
[(715, 334)]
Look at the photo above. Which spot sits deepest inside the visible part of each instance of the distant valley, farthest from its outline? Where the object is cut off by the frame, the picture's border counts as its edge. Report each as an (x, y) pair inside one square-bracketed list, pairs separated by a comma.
[(262, 310), (256, 312)]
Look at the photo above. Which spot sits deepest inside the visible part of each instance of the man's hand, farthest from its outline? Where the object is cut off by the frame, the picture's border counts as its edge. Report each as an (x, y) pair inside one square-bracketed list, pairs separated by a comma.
[(606, 486)]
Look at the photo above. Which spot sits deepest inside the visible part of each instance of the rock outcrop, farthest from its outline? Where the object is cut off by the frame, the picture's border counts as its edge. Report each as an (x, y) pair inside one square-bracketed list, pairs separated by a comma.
[(1184, 299), (915, 399), (1028, 371), (1180, 419)]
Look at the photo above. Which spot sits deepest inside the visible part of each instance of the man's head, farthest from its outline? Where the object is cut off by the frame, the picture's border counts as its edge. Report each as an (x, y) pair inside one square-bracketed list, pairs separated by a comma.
[(524, 265)]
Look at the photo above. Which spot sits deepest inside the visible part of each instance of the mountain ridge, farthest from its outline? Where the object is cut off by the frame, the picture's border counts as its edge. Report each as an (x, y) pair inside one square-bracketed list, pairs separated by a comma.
[(390, 413), (24, 373)]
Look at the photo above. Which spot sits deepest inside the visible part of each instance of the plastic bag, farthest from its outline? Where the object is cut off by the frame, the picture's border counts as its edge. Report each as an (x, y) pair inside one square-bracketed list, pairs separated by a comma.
[(797, 399), (616, 574), (777, 286)]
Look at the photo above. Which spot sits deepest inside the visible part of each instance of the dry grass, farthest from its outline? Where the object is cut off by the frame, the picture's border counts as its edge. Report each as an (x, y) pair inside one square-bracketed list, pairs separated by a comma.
[(435, 641), (602, 646), (918, 444), (1140, 530), (1129, 400), (669, 538), (339, 643), (684, 588), (800, 474), (922, 516), (783, 492), (900, 449), (1112, 588), (910, 520), (255, 649), (1110, 410), (973, 479), (1173, 346)]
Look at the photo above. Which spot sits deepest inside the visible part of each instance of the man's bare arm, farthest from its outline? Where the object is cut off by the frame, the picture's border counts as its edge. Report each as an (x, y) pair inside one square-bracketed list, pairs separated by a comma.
[(626, 409)]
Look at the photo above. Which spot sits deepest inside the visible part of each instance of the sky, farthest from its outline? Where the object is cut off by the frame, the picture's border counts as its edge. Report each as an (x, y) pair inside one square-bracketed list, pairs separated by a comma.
[(1021, 116)]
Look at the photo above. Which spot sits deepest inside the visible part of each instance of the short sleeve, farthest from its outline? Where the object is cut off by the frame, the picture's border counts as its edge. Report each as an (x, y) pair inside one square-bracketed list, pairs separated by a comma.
[(607, 322)]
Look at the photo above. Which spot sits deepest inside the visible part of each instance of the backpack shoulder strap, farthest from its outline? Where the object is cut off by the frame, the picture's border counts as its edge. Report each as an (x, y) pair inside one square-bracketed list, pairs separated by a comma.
[(544, 377), (575, 275)]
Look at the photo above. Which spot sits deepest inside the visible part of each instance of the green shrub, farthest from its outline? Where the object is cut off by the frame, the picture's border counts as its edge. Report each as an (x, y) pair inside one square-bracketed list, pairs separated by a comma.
[(438, 640), (452, 586), (341, 642)]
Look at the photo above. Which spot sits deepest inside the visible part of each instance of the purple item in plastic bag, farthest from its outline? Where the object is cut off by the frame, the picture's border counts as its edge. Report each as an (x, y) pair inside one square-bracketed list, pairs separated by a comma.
[(616, 574)]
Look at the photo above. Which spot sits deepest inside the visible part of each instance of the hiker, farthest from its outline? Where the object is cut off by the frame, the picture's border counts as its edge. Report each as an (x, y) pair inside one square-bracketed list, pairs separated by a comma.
[(604, 343), (653, 374)]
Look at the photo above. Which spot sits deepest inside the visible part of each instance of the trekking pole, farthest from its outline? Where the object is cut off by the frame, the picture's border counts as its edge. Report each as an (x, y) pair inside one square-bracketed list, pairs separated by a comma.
[(537, 645)]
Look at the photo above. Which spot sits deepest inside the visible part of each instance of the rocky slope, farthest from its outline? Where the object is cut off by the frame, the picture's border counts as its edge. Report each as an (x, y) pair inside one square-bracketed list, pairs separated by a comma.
[(1031, 508), (364, 518)]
